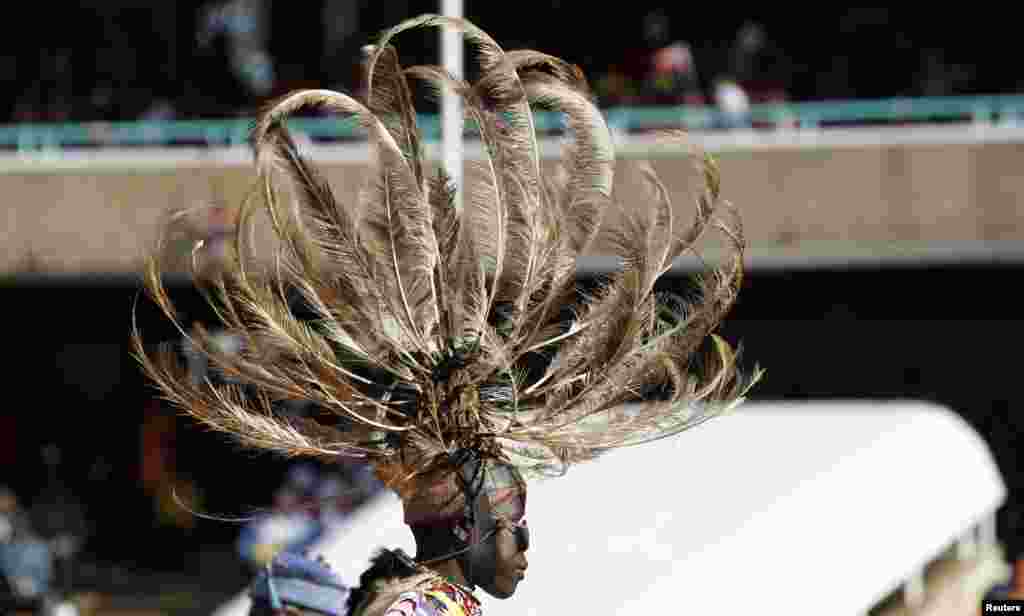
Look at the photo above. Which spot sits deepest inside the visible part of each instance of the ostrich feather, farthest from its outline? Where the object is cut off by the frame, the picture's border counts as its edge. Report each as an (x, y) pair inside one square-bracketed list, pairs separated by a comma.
[(431, 327)]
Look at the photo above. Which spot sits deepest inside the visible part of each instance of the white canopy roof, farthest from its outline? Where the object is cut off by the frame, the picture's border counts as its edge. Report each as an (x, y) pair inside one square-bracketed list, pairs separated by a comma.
[(790, 508)]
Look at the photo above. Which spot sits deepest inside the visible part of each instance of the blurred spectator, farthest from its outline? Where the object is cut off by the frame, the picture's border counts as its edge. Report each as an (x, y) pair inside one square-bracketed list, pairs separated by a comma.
[(109, 61), (660, 72), (291, 526), (759, 72), (670, 73), (672, 79), (363, 479), (305, 506), (57, 513), (15, 524), (244, 25), (303, 478), (733, 103), (159, 110), (758, 65), (60, 518), (337, 499), (26, 560), (747, 50)]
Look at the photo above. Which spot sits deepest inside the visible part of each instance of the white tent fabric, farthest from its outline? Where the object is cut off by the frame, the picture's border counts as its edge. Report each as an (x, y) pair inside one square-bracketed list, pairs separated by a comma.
[(803, 508)]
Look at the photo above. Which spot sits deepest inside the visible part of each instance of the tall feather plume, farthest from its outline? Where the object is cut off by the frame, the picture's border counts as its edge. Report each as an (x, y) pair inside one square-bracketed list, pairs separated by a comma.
[(647, 243), (390, 99), (335, 264), (504, 86), (589, 162), (441, 195), (401, 219), (485, 227), (430, 322), (504, 95)]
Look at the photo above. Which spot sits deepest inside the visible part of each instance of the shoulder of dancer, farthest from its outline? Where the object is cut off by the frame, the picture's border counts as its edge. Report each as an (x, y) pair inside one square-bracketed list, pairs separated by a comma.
[(423, 594)]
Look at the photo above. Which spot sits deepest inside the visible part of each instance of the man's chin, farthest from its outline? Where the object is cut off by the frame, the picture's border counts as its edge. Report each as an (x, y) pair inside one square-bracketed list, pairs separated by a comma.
[(505, 592)]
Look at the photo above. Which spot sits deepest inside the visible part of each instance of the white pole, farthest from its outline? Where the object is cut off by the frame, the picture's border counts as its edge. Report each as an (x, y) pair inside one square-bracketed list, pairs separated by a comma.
[(451, 113)]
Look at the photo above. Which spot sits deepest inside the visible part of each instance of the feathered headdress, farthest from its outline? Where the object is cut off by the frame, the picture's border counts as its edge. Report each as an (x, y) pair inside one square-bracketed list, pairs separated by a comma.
[(437, 329)]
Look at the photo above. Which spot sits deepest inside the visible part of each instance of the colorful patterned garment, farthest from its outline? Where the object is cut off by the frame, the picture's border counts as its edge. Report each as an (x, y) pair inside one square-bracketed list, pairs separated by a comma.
[(440, 599)]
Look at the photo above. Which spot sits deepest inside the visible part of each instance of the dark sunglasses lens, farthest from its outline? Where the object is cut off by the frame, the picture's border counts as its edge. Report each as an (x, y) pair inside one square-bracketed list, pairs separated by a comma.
[(522, 538)]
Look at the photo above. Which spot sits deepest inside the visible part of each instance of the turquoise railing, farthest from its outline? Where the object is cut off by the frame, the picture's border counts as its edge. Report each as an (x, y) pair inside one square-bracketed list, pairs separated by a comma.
[(234, 131)]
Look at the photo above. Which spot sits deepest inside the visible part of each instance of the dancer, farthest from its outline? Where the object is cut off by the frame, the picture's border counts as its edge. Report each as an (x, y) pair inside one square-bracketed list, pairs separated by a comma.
[(449, 346)]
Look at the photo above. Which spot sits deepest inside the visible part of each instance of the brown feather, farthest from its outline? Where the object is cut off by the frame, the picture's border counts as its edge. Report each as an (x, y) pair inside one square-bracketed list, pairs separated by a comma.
[(425, 314)]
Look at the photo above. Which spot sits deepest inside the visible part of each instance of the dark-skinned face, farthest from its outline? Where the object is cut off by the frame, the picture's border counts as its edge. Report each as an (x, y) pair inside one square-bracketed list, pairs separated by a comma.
[(511, 560)]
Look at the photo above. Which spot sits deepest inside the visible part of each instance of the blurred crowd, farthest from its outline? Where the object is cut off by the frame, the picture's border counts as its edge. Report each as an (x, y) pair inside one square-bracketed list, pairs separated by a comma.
[(663, 71), (45, 570), (26, 560), (117, 60), (307, 506), (39, 542)]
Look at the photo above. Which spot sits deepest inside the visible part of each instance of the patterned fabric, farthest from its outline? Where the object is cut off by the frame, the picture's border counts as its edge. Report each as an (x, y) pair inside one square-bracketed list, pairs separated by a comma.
[(440, 599)]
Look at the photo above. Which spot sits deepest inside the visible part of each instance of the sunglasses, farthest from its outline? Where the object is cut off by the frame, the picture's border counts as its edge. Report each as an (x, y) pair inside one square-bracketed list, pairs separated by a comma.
[(520, 531)]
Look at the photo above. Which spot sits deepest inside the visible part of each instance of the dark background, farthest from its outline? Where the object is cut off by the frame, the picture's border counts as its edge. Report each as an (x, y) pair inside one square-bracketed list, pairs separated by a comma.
[(145, 51)]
